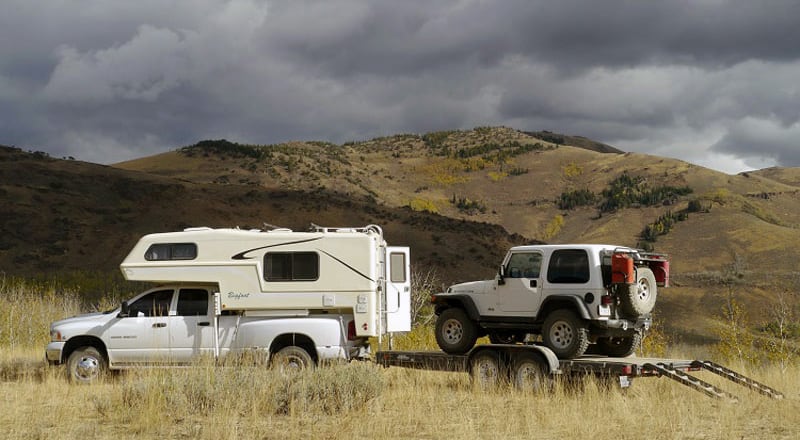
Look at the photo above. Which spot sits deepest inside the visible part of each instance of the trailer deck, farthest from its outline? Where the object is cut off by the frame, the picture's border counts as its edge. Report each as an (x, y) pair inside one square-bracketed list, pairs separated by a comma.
[(625, 368)]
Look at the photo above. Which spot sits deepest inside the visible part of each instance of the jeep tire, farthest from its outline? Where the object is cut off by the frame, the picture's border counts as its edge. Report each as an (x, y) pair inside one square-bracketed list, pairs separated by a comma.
[(455, 332), (639, 298), (565, 333)]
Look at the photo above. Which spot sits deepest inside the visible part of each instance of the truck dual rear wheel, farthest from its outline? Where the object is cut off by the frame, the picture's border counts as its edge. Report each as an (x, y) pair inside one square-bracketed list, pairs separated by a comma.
[(86, 365), (565, 333), (292, 359), (455, 332), (640, 297)]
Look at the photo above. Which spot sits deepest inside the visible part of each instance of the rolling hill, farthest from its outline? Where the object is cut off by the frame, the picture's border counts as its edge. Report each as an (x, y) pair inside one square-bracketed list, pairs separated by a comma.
[(458, 198)]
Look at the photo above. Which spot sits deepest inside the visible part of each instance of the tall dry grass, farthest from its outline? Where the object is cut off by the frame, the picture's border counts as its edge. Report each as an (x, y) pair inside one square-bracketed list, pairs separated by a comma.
[(359, 400)]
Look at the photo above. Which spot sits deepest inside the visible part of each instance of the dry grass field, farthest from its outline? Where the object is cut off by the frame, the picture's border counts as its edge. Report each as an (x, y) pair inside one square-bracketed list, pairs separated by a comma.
[(357, 400)]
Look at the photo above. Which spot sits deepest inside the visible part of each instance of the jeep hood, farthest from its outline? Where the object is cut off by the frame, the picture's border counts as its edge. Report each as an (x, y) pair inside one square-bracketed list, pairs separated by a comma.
[(476, 287)]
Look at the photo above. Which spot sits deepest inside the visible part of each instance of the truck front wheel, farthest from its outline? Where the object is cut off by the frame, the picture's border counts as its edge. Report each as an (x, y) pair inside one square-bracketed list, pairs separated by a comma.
[(565, 333), (455, 332), (86, 365)]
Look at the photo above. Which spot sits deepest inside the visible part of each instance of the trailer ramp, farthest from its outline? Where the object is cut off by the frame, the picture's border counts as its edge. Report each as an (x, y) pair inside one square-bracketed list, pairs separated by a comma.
[(735, 377)]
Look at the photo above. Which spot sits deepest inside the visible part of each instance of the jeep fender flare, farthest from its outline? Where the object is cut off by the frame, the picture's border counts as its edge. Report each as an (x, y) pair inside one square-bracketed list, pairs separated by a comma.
[(570, 302), (464, 302)]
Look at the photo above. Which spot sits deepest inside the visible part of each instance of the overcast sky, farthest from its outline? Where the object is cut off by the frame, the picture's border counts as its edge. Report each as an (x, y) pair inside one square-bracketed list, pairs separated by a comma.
[(712, 82)]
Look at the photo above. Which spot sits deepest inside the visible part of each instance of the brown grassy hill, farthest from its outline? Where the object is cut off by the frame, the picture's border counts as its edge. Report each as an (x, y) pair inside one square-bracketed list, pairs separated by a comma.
[(540, 186), (61, 216)]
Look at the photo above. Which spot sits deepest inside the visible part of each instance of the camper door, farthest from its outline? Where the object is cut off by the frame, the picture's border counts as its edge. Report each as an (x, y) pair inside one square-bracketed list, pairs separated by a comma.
[(398, 289)]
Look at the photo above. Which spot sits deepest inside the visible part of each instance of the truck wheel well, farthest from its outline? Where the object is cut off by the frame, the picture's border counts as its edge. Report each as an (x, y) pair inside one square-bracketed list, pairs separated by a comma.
[(83, 341), (296, 339)]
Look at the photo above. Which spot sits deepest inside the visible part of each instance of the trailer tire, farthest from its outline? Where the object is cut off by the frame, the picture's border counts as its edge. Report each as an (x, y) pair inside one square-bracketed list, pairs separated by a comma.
[(486, 370), (292, 359), (621, 346), (639, 298), (565, 334), (455, 332), (86, 365), (529, 374)]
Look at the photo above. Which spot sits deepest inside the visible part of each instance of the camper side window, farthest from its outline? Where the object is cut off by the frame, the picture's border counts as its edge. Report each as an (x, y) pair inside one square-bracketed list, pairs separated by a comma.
[(291, 266), (171, 251)]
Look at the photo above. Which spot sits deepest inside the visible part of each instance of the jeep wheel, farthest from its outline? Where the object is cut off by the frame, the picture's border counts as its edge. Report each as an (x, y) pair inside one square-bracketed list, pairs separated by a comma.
[(455, 332), (565, 333), (640, 297), (619, 347)]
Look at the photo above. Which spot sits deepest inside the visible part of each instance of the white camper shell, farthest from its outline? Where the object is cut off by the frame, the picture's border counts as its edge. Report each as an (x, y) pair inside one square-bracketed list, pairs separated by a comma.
[(281, 272)]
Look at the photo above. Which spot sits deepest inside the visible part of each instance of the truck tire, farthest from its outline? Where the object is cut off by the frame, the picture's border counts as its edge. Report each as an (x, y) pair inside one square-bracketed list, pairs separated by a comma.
[(528, 373), (619, 347), (292, 359), (486, 370), (565, 334), (455, 332), (639, 298), (86, 365)]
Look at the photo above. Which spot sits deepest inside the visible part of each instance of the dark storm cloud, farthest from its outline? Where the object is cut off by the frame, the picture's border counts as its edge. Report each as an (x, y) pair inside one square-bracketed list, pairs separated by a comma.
[(709, 81)]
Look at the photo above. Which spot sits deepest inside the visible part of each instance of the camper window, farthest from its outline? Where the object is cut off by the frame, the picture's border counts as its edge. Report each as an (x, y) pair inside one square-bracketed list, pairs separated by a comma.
[(171, 251), (291, 266)]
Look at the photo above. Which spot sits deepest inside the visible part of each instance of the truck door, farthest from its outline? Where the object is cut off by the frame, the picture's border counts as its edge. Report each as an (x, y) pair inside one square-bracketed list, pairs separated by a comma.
[(191, 328), (521, 291), (397, 300), (143, 336)]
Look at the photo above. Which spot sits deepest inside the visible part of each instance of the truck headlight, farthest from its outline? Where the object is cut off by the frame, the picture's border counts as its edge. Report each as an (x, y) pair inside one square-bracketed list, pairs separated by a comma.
[(55, 336)]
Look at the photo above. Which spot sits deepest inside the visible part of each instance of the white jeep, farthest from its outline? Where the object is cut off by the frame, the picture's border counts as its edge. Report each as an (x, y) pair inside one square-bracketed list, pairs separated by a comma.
[(572, 295)]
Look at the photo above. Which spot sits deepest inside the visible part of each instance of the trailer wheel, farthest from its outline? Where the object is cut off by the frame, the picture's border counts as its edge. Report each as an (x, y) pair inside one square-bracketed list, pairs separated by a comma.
[(292, 359), (640, 297), (455, 332), (486, 370), (565, 333), (620, 346), (86, 365), (529, 374)]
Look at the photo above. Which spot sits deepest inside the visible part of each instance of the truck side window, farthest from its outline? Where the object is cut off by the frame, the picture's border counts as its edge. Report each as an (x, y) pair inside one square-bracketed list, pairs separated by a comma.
[(153, 304), (192, 302), (524, 265), (568, 266)]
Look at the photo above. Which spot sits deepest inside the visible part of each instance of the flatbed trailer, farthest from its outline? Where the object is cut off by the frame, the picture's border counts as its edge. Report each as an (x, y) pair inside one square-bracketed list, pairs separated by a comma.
[(533, 366)]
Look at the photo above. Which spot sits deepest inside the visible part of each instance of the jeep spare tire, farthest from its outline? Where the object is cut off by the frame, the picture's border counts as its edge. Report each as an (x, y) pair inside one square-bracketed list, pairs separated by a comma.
[(639, 298), (455, 332)]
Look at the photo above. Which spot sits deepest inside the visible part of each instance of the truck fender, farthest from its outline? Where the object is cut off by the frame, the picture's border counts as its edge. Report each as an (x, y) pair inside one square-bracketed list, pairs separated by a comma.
[(464, 302), (563, 302)]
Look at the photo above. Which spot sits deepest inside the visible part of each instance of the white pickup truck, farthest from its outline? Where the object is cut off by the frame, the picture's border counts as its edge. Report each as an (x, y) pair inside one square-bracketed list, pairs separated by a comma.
[(290, 298)]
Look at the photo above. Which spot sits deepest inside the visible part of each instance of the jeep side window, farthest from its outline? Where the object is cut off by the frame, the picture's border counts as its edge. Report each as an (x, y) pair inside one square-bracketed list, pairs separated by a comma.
[(568, 266), (153, 304), (524, 265)]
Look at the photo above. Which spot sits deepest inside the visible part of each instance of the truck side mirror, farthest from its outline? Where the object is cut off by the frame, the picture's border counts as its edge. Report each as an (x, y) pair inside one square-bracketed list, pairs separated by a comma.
[(124, 310), (501, 276)]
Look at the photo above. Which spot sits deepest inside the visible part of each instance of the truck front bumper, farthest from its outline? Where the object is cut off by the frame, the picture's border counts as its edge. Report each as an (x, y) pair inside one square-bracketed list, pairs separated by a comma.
[(53, 352)]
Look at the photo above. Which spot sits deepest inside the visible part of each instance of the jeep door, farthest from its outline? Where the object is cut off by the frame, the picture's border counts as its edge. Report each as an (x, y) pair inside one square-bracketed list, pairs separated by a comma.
[(521, 290)]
